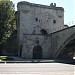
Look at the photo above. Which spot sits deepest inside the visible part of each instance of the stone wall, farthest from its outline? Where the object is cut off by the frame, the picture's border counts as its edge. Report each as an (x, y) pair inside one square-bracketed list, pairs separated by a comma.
[(10, 48), (51, 44), (32, 18), (43, 23), (60, 39), (30, 41)]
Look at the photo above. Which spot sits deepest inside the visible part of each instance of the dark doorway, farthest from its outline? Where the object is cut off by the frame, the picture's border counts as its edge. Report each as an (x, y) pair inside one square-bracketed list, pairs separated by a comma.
[(37, 52)]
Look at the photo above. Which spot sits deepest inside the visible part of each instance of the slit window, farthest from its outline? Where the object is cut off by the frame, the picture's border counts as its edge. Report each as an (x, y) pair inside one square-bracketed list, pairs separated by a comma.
[(36, 19)]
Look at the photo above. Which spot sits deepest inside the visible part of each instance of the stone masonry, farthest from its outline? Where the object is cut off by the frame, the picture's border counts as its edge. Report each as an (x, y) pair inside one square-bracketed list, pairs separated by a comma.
[(37, 22)]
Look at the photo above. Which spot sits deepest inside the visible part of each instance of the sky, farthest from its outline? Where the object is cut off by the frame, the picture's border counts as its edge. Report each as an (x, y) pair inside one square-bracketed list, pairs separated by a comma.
[(68, 5)]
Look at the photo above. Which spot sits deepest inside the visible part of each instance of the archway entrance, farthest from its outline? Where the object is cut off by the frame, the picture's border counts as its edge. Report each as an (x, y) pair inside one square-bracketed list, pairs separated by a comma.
[(68, 51), (37, 52)]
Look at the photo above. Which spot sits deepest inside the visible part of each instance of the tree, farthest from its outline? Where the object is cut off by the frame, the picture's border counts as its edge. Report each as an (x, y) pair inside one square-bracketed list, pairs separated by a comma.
[(7, 19)]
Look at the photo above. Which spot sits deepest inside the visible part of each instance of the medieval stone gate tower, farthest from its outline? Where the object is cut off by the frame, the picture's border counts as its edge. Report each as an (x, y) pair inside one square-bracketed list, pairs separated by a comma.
[(35, 23)]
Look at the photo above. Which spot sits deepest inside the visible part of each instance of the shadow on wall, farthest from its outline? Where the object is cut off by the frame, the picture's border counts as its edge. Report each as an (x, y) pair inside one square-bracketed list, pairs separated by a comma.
[(10, 47)]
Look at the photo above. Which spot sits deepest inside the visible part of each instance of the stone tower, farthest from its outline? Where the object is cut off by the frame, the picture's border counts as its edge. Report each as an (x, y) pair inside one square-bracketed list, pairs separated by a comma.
[(36, 22)]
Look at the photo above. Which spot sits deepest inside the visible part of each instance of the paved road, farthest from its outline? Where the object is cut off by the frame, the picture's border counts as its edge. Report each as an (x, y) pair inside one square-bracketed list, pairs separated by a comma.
[(37, 69)]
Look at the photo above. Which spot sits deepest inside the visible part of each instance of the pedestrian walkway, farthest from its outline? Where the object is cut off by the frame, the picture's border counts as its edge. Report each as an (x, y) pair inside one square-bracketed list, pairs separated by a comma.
[(36, 69), (44, 73)]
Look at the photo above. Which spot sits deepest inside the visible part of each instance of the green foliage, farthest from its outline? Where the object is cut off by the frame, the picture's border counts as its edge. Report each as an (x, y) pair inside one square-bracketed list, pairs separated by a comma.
[(7, 19), (6, 58)]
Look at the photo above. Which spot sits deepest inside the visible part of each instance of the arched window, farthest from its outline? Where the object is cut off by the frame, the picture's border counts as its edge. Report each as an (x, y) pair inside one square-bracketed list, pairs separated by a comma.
[(44, 32)]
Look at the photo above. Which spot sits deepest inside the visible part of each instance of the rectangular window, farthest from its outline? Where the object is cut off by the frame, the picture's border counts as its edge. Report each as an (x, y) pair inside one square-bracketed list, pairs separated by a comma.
[(54, 21), (36, 19)]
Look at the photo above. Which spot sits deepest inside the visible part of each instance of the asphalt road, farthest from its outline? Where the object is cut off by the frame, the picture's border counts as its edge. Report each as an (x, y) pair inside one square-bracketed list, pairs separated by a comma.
[(37, 68)]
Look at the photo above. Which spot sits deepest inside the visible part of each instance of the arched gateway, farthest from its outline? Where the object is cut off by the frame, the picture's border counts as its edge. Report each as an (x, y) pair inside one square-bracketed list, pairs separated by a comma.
[(37, 52)]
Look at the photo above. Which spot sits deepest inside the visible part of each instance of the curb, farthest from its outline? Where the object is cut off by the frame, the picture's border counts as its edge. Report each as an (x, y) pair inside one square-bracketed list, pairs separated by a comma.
[(41, 61)]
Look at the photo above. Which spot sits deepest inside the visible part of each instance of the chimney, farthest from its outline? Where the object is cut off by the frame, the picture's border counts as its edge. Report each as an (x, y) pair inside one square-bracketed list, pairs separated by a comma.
[(51, 5), (54, 4)]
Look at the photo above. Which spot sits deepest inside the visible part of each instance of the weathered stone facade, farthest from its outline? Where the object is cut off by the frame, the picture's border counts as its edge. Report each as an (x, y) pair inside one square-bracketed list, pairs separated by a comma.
[(38, 22), (29, 43)]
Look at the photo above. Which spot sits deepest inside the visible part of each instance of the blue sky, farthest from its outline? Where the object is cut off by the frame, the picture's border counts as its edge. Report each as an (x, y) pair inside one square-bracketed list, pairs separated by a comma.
[(68, 6)]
